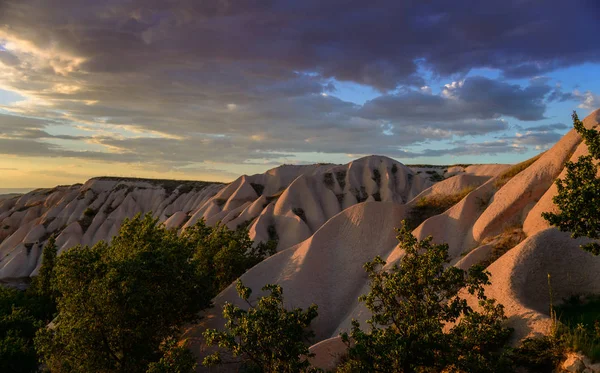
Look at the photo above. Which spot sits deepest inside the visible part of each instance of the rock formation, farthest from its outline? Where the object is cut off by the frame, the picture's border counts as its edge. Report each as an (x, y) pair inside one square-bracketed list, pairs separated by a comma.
[(329, 220)]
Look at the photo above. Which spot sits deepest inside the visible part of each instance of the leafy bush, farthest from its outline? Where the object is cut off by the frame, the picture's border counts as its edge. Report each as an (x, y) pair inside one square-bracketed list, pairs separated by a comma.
[(435, 177), (579, 193), (360, 194), (429, 206), (411, 305), (89, 212), (376, 177), (267, 337), (328, 180), (341, 178)]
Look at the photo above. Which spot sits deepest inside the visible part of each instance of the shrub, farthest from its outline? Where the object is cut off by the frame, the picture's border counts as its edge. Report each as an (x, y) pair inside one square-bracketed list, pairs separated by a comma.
[(341, 178), (267, 337), (376, 177), (258, 188), (360, 195), (300, 212), (541, 355), (435, 177), (328, 180), (412, 303), (220, 201), (89, 212), (87, 218)]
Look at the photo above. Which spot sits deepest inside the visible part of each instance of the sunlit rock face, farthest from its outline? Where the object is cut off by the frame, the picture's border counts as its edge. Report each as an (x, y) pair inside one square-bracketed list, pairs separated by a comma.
[(288, 203)]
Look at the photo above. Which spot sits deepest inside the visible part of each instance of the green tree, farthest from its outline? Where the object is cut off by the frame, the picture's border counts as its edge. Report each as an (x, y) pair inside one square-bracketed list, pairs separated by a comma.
[(17, 329), (412, 306), (267, 337), (42, 283), (120, 302), (578, 196), (22, 313), (222, 255)]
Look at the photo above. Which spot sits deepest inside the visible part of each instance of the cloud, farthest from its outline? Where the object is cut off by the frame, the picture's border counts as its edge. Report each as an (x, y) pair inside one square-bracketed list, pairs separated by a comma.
[(546, 127), (475, 97), (379, 46), (481, 148), (174, 84), (588, 100)]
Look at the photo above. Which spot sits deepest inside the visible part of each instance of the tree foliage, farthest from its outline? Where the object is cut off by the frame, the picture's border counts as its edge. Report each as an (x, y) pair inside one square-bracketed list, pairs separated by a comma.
[(412, 306), (120, 302), (175, 359), (267, 337), (578, 196), (22, 313)]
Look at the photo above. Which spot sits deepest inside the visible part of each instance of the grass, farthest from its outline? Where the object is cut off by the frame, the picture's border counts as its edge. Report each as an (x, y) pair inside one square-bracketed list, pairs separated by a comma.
[(430, 206), (580, 324), (504, 177), (502, 243)]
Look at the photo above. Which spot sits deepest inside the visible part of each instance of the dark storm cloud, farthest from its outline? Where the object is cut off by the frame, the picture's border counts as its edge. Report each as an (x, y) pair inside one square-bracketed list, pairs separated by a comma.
[(475, 97), (189, 79), (371, 43)]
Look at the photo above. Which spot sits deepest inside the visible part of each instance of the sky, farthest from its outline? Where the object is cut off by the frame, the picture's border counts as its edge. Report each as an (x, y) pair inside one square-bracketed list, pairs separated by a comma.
[(210, 90)]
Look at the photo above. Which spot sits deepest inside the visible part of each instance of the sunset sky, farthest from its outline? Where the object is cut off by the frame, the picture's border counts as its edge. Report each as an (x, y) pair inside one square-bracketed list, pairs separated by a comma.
[(213, 89)]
